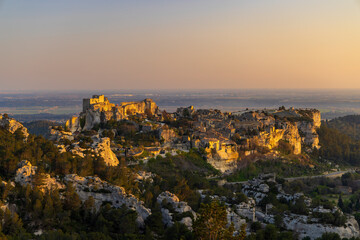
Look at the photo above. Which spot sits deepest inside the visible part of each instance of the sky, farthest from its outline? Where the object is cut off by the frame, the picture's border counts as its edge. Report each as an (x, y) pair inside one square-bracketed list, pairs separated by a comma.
[(188, 44)]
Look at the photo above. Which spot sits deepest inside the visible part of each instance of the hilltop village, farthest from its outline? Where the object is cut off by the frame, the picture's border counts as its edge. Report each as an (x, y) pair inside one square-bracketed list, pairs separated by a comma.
[(226, 138), (130, 170)]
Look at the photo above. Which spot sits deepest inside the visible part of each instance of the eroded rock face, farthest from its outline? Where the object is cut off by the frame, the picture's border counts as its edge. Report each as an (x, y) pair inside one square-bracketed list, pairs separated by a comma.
[(130, 108), (310, 136), (92, 117), (56, 135), (25, 172), (103, 149), (235, 219), (25, 175), (103, 191), (225, 159), (73, 124), (177, 207), (270, 139), (300, 224), (12, 125), (166, 134)]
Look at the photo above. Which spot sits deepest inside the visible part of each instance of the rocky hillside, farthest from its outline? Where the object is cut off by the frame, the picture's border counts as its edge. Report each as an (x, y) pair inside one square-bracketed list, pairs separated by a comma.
[(227, 138), (12, 125), (157, 175)]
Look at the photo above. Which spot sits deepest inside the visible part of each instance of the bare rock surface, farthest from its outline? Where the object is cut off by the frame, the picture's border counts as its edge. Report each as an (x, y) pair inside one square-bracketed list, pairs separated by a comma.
[(12, 125), (171, 206), (102, 148), (103, 191)]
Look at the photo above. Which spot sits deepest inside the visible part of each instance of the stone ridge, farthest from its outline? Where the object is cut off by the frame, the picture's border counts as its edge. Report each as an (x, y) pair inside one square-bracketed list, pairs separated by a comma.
[(12, 125)]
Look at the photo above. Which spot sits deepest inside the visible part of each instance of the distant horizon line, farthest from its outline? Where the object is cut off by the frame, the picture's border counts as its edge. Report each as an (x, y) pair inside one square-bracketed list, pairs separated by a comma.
[(15, 91)]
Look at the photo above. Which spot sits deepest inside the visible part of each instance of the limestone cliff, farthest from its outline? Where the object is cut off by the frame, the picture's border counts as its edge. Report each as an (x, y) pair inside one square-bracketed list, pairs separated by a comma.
[(225, 158), (92, 117), (73, 124), (297, 127), (12, 125), (270, 140), (308, 127), (103, 149)]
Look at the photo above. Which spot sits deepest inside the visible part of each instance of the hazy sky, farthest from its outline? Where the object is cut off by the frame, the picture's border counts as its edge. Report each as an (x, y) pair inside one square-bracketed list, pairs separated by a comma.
[(179, 44)]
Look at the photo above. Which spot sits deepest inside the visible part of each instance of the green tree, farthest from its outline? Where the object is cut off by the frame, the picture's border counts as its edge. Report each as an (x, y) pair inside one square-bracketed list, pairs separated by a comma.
[(341, 203), (72, 200), (12, 224), (329, 236), (212, 223), (271, 232)]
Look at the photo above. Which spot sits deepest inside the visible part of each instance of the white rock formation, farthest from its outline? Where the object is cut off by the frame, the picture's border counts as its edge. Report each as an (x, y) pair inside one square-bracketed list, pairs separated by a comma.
[(103, 191), (25, 175), (56, 135), (25, 172), (73, 124), (300, 225), (103, 149), (178, 207), (12, 125), (235, 219)]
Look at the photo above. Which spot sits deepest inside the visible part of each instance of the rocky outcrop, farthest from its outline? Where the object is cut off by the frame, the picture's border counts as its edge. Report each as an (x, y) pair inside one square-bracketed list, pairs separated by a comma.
[(25, 175), (73, 124), (235, 219), (92, 117), (295, 126), (100, 147), (103, 149), (166, 134), (104, 192), (25, 172), (309, 134), (225, 158), (101, 191), (309, 122), (305, 228), (270, 139), (304, 225), (147, 106), (12, 125), (57, 135), (172, 208)]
